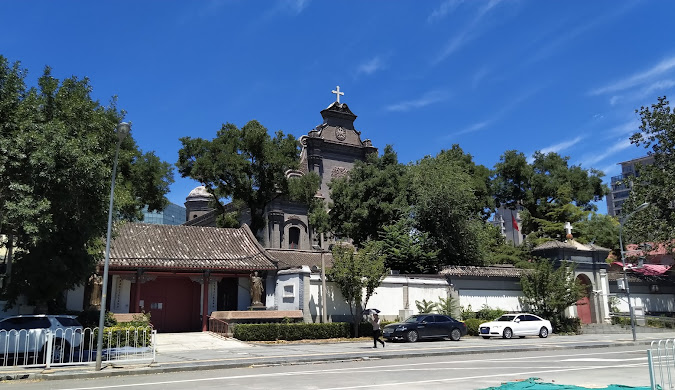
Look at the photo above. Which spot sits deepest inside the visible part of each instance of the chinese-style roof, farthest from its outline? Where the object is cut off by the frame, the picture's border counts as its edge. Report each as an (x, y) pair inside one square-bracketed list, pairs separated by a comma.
[(291, 258), (647, 269), (503, 270), (569, 244), (169, 247)]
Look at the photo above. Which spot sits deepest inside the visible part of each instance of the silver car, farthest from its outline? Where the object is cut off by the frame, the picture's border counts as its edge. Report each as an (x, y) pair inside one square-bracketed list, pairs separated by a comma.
[(25, 336), (519, 324)]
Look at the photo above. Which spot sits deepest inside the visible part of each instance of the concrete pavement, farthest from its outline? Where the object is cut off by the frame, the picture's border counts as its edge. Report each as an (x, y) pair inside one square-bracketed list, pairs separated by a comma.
[(203, 351)]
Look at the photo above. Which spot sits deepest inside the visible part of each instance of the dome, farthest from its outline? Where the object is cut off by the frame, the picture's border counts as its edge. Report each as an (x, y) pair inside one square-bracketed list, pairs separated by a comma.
[(199, 192)]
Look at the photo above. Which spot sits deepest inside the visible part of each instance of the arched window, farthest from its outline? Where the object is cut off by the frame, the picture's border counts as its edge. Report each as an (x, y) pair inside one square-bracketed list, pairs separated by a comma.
[(293, 238)]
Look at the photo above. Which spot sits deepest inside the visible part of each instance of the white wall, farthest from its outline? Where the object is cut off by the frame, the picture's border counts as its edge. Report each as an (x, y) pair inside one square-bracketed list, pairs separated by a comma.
[(495, 299), (287, 291), (120, 297), (75, 299), (650, 302)]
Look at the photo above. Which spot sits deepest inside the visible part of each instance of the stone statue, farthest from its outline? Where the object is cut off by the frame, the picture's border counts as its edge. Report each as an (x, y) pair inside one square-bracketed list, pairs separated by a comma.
[(256, 289)]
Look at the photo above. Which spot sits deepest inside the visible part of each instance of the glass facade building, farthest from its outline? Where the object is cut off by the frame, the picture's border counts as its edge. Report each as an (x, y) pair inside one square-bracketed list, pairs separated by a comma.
[(173, 214)]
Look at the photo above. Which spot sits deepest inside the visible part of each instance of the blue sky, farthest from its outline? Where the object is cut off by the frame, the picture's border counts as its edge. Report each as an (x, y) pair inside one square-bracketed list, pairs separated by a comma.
[(489, 75)]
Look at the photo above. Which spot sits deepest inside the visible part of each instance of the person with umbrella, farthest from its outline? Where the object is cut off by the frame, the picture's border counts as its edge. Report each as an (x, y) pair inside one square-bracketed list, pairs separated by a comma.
[(374, 319)]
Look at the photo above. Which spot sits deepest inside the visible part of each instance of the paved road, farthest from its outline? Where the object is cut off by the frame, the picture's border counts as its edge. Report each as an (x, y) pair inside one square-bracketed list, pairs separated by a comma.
[(597, 367)]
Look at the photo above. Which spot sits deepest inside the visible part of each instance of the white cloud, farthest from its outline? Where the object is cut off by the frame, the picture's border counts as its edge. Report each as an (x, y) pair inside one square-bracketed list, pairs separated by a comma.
[(471, 31), (614, 100), (629, 127), (427, 99), (472, 128), (444, 9), (624, 143), (369, 67), (559, 147), (638, 78)]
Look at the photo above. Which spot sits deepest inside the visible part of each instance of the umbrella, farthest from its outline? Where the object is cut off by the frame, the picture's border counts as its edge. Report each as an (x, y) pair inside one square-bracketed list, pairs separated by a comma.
[(371, 311)]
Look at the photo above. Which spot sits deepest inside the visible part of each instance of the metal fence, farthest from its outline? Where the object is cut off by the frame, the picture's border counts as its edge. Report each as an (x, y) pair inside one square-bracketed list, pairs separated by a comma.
[(75, 346), (661, 358), (219, 327)]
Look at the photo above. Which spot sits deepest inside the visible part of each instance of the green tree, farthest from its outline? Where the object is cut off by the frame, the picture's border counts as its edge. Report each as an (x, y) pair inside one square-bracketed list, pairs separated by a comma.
[(656, 182), (373, 195), (599, 229), (446, 208), (548, 291), (245, 165), (544, 188), (58, 146), (357, 275), (408, 250)]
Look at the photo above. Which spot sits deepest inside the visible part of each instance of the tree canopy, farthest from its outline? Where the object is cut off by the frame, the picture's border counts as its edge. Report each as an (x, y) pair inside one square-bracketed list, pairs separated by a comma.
[(58, 146), (549, 190), (246, 166), (654, 183)]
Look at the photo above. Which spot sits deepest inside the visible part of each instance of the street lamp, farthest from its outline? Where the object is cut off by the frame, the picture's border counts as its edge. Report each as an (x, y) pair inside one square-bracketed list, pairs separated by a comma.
[(625, 267), (122, 131)]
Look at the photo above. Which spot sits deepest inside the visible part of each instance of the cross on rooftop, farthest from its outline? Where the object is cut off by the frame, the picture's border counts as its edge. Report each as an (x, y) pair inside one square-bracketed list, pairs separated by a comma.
[(568, 228), (338, 93)]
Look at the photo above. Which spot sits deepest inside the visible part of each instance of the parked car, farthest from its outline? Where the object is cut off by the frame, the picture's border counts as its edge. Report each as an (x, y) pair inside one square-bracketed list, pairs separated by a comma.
[(520, 324), (425, 326), (26, 335)]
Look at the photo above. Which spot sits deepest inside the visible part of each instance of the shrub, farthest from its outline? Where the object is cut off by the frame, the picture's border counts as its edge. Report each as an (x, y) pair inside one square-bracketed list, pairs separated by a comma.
[(291, 331), (472, 325), (425, 306), (467, 313), (487, 313), (566, 325), (89, 319), (123, 336)]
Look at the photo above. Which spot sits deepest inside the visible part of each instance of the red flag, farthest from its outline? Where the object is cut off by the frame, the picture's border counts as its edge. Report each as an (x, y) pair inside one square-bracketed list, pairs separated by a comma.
[(514, 223)]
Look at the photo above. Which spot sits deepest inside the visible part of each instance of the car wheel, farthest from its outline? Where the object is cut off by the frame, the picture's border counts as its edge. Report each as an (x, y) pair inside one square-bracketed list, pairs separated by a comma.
[(60, 351), (508, 333), (486, 337), (543, 332), (455, 334), (413, 336)]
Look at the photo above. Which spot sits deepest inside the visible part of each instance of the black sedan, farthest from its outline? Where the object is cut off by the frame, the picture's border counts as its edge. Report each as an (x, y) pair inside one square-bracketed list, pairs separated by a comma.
[(425, 326)]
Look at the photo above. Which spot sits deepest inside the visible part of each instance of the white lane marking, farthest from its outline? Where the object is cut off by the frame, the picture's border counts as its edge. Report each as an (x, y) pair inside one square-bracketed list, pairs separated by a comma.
[(380, 367)]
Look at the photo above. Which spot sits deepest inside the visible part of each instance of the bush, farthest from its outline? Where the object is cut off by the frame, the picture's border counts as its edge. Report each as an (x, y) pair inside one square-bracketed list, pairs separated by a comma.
[(472, 325), (487, 313), (89, 319), (291, 331), (566, 325), (623, 321)]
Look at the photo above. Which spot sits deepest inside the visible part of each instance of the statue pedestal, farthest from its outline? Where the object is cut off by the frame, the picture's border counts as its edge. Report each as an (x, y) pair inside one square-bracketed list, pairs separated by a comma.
[(257, 307)]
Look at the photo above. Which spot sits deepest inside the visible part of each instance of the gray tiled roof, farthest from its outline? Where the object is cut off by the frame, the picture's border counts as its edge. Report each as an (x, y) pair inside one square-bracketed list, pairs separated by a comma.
[(571, 244), (187, 248), (291, 258), (496, 270)]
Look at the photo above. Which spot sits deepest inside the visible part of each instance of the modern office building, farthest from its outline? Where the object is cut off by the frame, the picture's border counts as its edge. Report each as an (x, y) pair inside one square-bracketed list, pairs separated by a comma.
[(173, 214), (620, 185)]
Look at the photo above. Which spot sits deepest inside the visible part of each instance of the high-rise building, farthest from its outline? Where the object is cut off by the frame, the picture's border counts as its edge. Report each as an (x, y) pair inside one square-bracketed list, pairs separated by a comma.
[(621, 185), (173, 214)]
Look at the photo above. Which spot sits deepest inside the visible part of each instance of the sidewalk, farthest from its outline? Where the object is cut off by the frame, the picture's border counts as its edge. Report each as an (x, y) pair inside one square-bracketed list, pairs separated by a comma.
[(205, 351)]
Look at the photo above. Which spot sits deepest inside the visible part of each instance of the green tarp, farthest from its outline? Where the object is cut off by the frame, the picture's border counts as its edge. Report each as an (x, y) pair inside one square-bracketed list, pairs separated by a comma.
[(535, 384)]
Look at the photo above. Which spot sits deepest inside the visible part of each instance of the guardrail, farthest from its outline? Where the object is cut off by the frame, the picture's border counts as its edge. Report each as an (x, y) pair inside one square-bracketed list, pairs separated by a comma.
[(75, 346), (661, 359), (219, 327)]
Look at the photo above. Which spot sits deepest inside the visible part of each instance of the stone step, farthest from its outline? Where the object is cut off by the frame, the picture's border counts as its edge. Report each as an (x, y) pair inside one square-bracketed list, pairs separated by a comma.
[(618, 329)]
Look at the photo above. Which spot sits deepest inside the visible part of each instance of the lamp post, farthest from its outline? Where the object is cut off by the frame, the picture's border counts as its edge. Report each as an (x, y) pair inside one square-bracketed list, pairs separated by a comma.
[(122, 131), (625, 267)]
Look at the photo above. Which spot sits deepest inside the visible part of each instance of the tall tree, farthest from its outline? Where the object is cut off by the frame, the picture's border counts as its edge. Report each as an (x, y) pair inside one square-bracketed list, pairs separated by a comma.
[(244, 165), (549, 291), (445, 206), (408, 250), (656, 182), (357, 275), (373, 195), (57, 154), (544, 188)]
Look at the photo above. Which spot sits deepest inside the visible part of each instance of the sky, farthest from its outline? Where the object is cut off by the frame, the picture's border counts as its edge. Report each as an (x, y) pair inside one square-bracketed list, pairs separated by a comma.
[(489, 75)]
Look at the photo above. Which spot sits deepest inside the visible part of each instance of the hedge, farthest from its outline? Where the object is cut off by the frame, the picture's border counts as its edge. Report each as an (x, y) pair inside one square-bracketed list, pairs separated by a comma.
[(292, 331), (472, 325)]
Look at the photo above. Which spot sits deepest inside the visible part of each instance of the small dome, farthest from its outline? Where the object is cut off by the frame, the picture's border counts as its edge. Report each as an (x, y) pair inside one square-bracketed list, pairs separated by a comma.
[(199, 192)]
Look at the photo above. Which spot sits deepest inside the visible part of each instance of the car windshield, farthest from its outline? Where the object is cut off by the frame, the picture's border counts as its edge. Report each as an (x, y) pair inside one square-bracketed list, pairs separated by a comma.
[(506, 318)]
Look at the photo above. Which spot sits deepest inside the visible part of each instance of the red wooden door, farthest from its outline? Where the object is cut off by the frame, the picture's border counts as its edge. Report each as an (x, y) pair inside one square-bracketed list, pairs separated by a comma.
[(173, 304), (584, 310)]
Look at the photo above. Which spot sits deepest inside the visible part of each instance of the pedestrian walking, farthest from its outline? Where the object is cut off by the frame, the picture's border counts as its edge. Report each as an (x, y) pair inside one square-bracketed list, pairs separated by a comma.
[(377, 332)]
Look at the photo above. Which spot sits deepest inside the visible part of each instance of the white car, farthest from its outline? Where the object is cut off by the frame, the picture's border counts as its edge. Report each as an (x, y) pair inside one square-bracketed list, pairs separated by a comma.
[(520, 324), (26, 335)]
